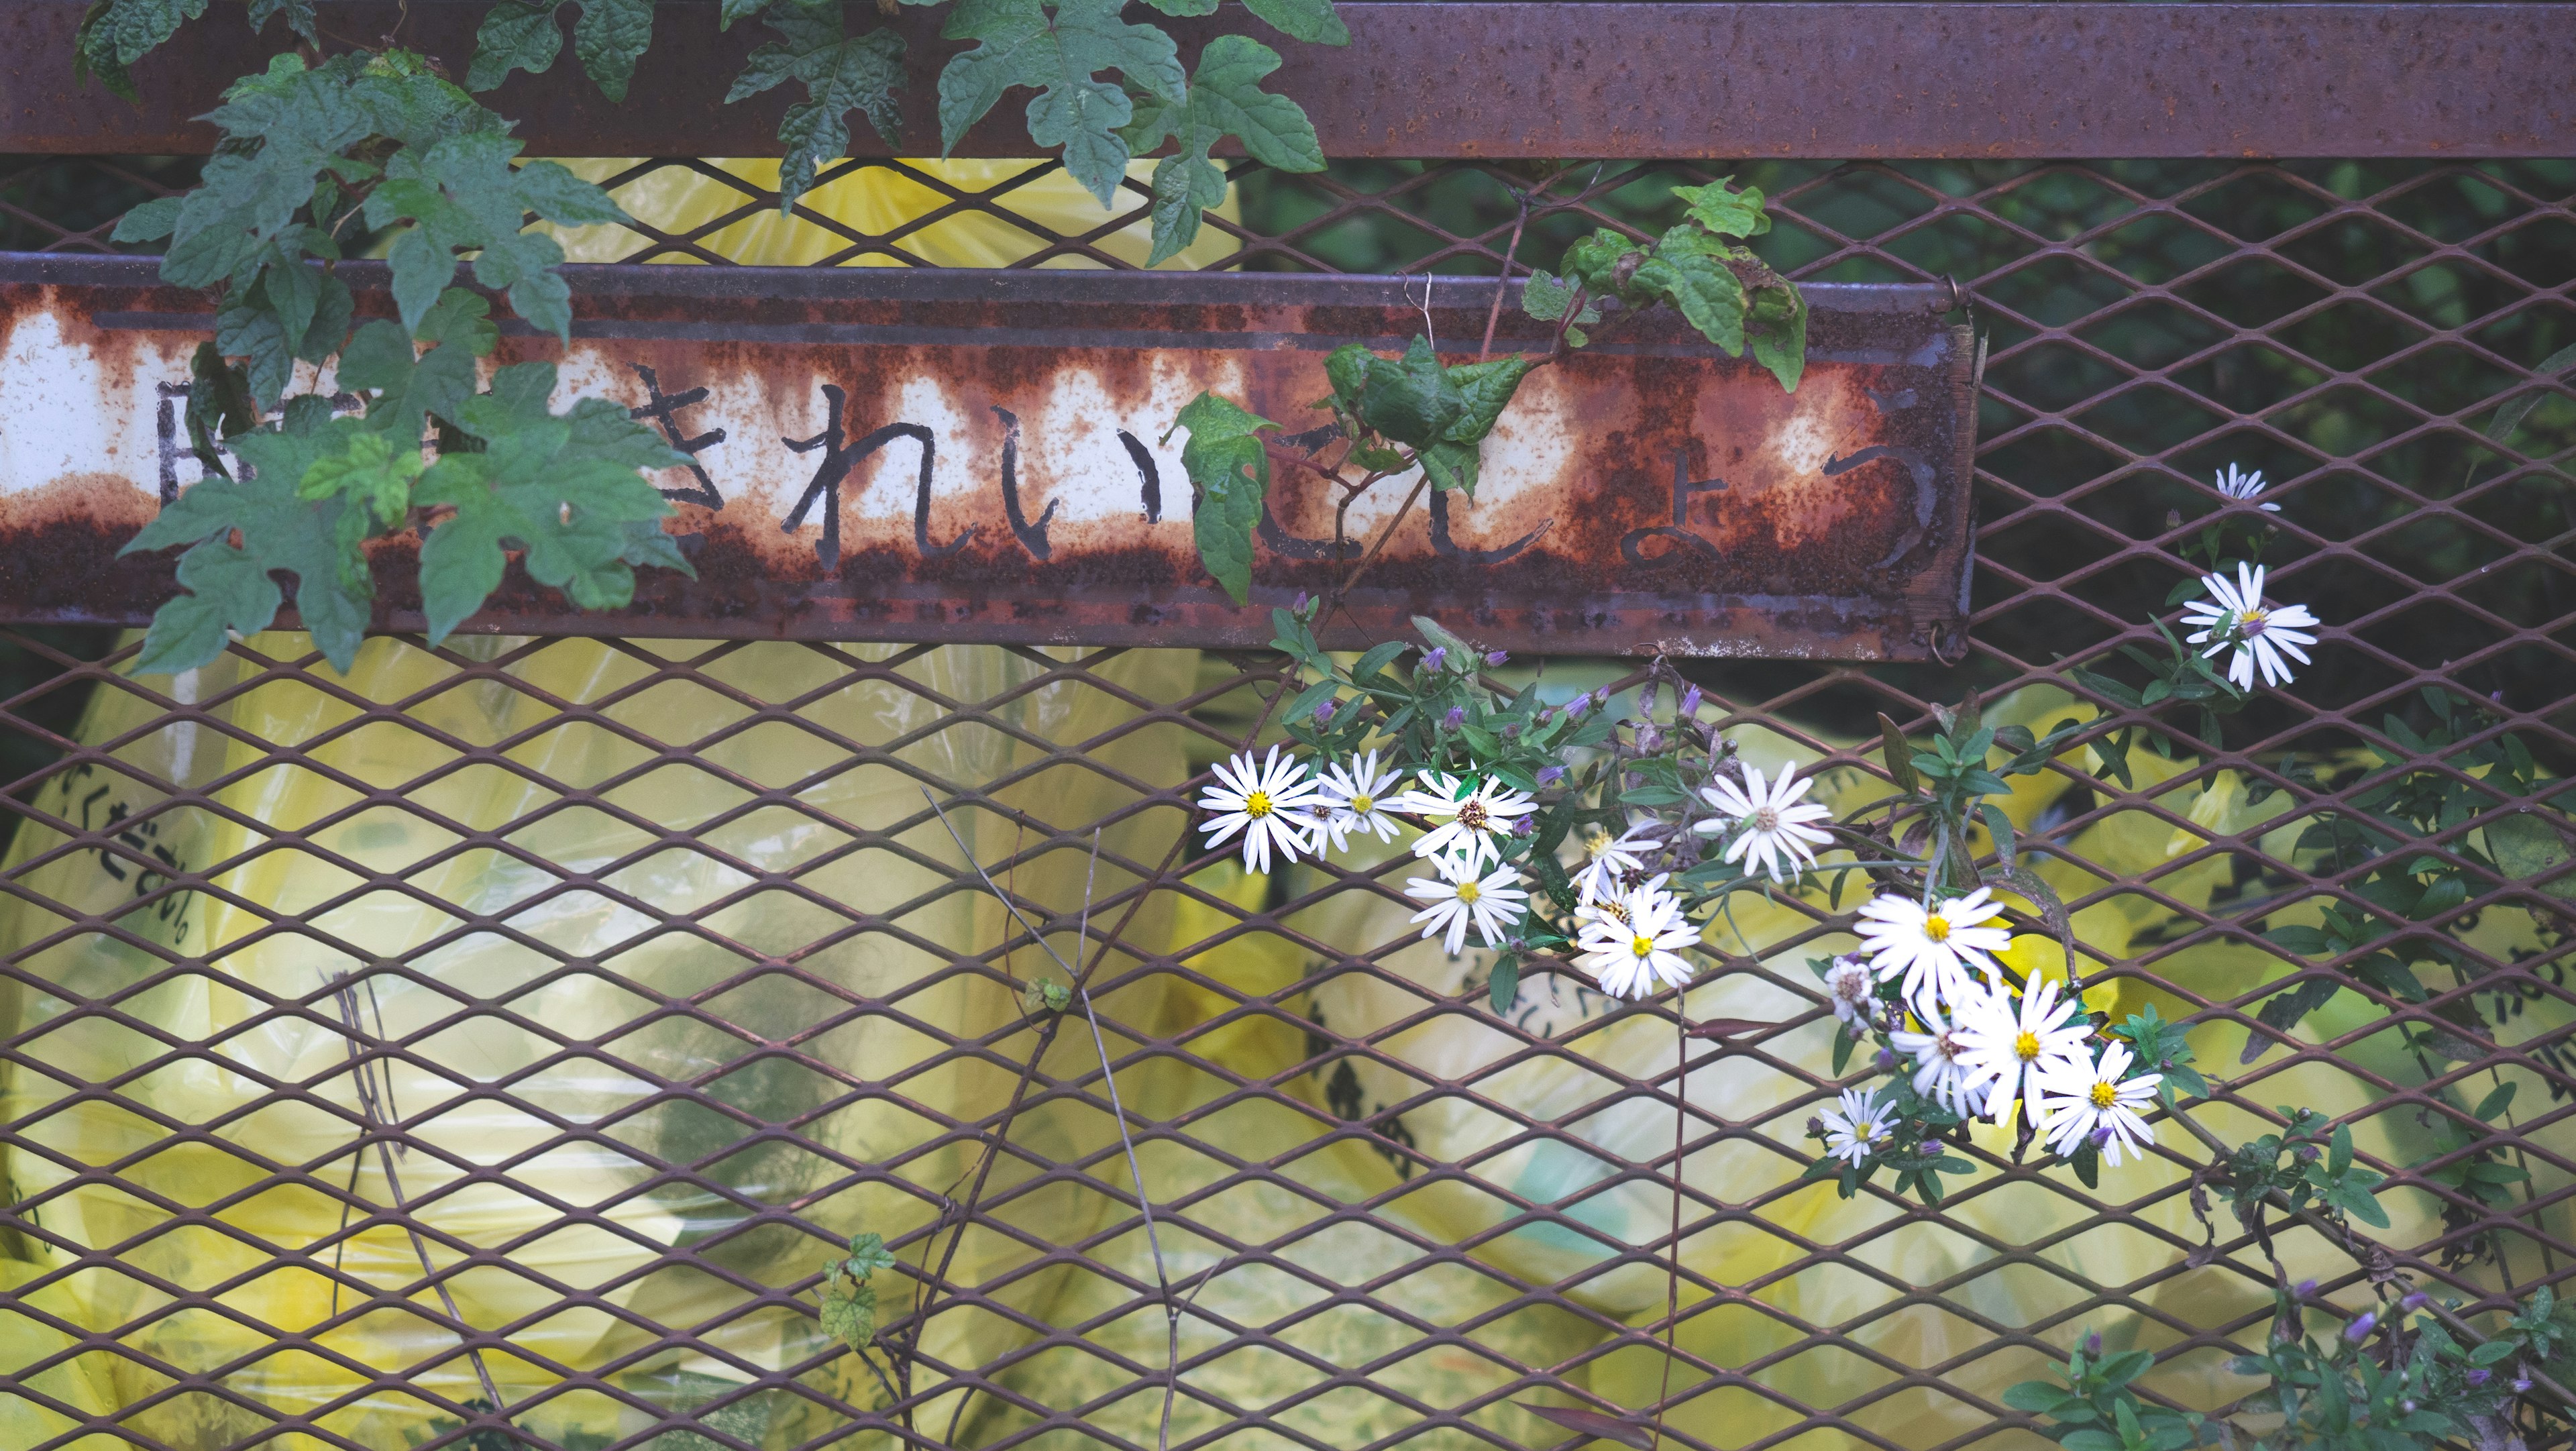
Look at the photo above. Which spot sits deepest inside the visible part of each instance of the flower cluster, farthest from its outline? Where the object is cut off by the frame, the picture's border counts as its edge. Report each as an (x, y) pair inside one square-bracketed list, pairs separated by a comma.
[(1975, 1044), (1628, 928)]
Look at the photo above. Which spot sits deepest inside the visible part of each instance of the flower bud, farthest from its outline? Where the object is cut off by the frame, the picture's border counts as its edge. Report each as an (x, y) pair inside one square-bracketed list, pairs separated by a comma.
[(2359, 1330), (1438, 657), (1546, 714), (1690, 701), (1601, 698), (1886, 1060), (1456, 717), (2093, 1343), (1525, 826), (1303, 599), (1324, 711), (1511, 730), (2303, 1289), (1815, 1127), (1497, 657), (1550, 775), (2521, 1385), (2478, 1375), (2414, 1302)]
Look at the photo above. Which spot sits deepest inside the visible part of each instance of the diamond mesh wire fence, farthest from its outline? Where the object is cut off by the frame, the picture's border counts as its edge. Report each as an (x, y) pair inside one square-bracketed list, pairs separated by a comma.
[(489, 1046)]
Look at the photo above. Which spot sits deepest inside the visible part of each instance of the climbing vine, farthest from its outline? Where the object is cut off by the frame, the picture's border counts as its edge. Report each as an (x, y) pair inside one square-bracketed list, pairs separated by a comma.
[(374, 149)]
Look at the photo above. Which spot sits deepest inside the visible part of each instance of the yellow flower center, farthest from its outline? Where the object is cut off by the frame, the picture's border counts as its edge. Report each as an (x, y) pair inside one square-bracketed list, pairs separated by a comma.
[(1766, 820), (1472, 816), (1642, 946), (1937, 927), (1467, 892), (2253, 620), (1614, 909), (1363, 805), (2104, 1095), (2026, 1047), (1597, 845), (1257, 805)]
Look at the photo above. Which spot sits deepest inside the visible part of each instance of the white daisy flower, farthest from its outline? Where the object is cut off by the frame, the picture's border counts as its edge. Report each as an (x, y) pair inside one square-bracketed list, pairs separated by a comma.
[(1773, 830), (1933, 949), (1458, 896), (1858, 1129), (1267, 802), (1353, 800), (2080, 1099), (1847, 983), (1469, 817), (2011, 1047), (1633, 945), (1608, 862), (1939, 1073), (2235, 616), (2244, 487)]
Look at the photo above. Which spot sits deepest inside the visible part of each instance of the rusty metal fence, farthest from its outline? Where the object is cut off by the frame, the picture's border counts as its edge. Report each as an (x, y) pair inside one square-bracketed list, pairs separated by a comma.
[(687, 985)]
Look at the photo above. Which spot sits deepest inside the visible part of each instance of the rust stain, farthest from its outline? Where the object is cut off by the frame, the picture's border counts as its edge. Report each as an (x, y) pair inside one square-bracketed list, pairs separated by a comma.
[(920, 456)]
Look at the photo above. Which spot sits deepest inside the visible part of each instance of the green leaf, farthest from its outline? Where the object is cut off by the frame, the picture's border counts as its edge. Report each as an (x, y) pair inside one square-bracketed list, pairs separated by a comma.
[(461, 193), (561, 489), (1231, 475), (609, 38), (1594, 260), (848, 1308), (114, 34), (1225, 98), (247, 328), (1313, 21), (1486, 389), (1777, 328), (1451, 466), (841, 73), (1008, 33), (148, 222), (1411, 400), (1503, 988), (514, 35), (2037, 1397), (1062, 55), (279, 531), (373, 476), (1545, 298), (379, 360), (1727, 213), (1706, 291), (2509, 417)]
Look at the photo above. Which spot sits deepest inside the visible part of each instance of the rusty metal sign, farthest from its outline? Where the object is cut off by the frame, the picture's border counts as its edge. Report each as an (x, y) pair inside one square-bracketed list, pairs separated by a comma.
[(920, 455)]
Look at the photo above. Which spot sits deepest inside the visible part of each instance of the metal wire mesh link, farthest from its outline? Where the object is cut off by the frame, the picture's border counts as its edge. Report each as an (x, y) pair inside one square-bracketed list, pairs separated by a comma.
[(2117, 297)]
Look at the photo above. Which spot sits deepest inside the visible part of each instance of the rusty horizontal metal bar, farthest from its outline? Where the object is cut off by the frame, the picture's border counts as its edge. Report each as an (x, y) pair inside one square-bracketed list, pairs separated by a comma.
[(884, 454), (1555, 80)]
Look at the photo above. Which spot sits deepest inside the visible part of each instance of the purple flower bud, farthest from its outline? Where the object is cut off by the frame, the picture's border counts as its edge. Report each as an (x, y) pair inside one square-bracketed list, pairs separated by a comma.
[(1303, 599), (1546, 714), (1886, 1060), (2093, 1343), (1690, 701), (2101, 1137), (2521, 1384), (2359, 1330), (2414, 1302), (1324, 710), (1525, 826), (1511, 730), (1601, 698), (1438, 657), (1456, 717), (2478, 1375), (1497, 657), (1550, 775), (2303, 1289)]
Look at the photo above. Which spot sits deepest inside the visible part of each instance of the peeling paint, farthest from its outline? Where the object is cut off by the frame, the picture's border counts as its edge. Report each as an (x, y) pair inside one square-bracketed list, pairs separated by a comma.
[(999, 469)]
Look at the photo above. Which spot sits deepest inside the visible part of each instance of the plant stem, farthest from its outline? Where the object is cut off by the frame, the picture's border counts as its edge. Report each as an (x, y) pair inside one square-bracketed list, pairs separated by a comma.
[(1503, 284)]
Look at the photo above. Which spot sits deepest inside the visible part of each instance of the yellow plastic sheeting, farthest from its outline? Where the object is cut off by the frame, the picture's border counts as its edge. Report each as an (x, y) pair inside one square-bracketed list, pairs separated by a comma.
[(494, 956), (878, 202)]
